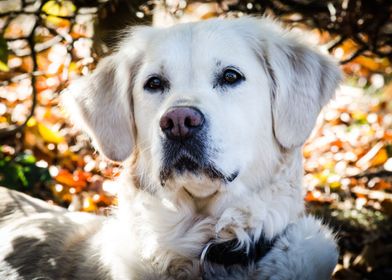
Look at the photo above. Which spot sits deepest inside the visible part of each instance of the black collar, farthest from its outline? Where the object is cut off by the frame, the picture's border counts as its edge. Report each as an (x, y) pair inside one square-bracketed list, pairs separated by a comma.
[(228, 253)]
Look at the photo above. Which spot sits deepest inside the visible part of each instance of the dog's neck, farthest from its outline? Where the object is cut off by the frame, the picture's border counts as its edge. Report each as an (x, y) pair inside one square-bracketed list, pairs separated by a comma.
[(185, 224)]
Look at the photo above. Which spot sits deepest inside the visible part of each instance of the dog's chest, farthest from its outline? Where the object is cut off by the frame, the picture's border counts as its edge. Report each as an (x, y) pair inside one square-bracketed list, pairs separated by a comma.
[(173, 242)]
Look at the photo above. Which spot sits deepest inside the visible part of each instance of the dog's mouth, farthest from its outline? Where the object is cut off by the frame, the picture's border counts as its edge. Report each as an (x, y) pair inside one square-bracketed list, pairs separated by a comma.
[(191, 157), (186, 163)]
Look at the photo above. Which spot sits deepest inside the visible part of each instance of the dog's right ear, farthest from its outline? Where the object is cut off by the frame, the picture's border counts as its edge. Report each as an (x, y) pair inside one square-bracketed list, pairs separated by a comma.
[(100, 104), (302, 81)]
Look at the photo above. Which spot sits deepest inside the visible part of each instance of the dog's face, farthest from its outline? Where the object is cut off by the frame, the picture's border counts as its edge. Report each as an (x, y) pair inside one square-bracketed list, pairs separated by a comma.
[(205, 104), (195, 105)]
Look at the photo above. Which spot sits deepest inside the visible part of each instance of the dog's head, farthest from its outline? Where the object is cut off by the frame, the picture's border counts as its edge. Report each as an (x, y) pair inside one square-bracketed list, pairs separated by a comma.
[(205, 104)]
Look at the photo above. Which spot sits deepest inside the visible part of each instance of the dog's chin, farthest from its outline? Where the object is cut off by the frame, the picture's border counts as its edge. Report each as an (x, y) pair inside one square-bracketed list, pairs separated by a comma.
[(199, 180), (197, 185)]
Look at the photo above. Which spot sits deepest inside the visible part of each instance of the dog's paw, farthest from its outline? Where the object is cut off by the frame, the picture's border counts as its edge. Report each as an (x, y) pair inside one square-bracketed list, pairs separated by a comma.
[(234, 223)]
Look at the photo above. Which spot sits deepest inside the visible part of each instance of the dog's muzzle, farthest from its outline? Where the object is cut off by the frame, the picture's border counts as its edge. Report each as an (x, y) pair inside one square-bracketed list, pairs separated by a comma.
[(184, 144), (183, 141)]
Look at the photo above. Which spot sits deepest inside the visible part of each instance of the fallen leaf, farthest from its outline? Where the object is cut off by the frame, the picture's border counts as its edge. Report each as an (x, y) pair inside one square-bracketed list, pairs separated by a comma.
[(50, 135)]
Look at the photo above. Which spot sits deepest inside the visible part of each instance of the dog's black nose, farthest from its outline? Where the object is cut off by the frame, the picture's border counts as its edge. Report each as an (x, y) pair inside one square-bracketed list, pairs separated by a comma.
[(180, 123)]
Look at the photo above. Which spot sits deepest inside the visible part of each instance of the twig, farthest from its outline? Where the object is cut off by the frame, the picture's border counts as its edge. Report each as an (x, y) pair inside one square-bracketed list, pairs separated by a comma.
[(354, 55), (381, 173), (347, 22), (13, 129), (337, 43)]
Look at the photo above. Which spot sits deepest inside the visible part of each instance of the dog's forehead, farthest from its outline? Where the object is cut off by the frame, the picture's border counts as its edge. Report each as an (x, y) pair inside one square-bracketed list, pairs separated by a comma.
[(198, 43)]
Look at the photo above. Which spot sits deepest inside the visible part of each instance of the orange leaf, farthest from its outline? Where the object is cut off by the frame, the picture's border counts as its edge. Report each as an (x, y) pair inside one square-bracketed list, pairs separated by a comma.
[(67, 178), (89, 205), (376, 156), (380, 158)]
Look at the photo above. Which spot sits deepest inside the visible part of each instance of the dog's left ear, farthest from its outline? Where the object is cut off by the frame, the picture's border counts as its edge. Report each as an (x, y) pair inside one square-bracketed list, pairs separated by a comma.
[(302, 82), (100, 104)]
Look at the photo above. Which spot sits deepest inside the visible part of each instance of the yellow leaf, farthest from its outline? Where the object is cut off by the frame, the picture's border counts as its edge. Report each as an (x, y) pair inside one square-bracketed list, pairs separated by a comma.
[(4, 67), (31, 122), (322, 177), (335, 185), (59, 8), (49, 135), (54, 21), (359, 116)]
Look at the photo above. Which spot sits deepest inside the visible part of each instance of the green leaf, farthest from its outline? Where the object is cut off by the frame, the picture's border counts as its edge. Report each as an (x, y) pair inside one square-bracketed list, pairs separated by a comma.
[(26, 159), (21, 173)]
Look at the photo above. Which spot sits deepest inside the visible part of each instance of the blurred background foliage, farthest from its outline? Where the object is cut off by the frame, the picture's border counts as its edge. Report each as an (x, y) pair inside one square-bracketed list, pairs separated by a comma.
[(348, 159)]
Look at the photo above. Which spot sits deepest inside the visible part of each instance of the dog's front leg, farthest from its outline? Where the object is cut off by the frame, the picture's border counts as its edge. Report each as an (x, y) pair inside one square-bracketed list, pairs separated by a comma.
[(305, 250), (234, 223)]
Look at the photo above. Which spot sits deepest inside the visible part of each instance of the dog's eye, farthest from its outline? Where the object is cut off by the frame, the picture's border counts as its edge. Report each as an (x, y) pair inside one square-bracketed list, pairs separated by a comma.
[(231, 77), (154, 83)]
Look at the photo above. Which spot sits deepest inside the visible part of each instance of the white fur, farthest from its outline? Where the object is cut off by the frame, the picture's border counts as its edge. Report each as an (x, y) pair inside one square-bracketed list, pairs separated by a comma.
[(256, 128), (292, 252)]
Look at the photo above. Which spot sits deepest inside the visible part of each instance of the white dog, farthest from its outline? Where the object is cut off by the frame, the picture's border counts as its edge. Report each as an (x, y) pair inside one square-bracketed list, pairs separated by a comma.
[(209, 119)]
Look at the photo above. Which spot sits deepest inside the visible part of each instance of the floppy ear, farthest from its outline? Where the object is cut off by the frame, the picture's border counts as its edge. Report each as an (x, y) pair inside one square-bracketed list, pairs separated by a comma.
[(302, 81), (101, 105)]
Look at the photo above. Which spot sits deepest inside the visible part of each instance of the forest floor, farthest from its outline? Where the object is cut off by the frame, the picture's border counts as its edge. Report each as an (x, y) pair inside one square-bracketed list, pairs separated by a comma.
[(348, 178)]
